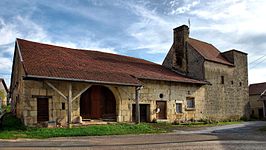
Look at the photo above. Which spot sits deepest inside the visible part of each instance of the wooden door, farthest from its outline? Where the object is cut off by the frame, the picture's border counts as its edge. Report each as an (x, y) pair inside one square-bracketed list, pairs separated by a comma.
[(143, 112), (42, 109), (85, 104), (162, 106), (260, 111), (96, 101)]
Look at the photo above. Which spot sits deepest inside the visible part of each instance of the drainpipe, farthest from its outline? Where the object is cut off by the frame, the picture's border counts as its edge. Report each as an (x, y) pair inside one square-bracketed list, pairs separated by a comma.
[(137, 104)]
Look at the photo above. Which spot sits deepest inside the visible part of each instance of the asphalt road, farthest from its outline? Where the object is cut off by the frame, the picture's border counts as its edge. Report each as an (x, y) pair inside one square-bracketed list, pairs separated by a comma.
[(241, 136)]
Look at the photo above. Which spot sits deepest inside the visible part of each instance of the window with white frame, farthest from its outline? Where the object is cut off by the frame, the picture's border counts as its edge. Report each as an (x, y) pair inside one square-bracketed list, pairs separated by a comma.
[(190, 102), (178, 107)]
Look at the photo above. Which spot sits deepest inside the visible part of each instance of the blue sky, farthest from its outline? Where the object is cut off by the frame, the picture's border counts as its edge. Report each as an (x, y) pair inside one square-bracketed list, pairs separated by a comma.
[(138, 28)]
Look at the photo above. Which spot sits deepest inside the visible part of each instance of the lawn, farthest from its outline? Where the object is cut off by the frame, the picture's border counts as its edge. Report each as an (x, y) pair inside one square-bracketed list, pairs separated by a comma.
[(13, 128)]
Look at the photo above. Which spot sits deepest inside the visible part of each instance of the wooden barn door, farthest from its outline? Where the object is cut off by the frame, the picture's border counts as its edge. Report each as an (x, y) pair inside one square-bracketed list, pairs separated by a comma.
[(96, 105), (162, 107), (42, 109), (98, 102)]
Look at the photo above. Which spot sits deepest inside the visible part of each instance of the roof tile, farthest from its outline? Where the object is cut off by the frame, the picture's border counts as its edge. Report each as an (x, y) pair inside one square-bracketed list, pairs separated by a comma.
[(45, 60), (208, 51)]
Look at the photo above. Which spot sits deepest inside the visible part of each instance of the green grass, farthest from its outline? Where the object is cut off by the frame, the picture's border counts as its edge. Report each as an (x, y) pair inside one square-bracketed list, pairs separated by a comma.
[(13, 128)]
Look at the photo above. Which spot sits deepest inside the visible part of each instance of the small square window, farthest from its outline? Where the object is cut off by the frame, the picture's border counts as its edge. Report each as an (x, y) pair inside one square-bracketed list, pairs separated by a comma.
[(190, 103), (63, 106), (178, 107), (222, 79)]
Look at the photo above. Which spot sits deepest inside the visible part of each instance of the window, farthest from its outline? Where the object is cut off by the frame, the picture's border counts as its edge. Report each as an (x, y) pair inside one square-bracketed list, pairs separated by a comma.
[(190, 102), (232, 82), (178, 107), (222, 79), (240, 83), (63, 106)]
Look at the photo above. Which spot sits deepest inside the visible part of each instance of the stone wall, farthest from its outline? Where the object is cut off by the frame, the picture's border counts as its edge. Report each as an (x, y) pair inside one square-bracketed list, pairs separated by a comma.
[(255, 105), (125, 97), (228, 100), (195, 64)]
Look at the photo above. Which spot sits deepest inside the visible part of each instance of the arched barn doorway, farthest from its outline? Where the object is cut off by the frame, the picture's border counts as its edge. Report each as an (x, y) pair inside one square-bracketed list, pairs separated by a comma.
[(98, 102)]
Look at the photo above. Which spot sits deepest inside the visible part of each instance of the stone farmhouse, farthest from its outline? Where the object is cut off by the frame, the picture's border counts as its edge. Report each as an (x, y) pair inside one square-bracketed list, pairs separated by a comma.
[(53, 84), (3, 93), (257, 98)]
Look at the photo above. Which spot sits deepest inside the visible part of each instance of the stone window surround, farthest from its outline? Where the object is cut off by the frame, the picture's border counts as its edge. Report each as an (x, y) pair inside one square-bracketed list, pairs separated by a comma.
[(194, 104), (180, 105)]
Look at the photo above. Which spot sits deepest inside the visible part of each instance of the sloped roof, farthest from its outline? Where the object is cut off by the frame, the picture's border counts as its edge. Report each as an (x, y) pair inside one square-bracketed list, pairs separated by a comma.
[(208, 51), (55, 62), (257, 88)]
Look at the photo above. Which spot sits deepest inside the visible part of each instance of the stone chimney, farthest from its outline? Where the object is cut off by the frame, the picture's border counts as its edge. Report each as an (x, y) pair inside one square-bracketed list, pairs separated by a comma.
[(176, 58)]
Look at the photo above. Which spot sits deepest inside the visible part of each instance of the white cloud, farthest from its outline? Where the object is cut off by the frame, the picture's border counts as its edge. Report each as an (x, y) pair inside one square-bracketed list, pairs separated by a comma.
[(257, 75), (152, 32), (178, 8), (7, 32)]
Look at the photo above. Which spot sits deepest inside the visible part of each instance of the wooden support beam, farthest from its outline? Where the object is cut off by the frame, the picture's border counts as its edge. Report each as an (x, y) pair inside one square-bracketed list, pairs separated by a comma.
[(137, 104), (54, 88), (81, 92), (69, 105)]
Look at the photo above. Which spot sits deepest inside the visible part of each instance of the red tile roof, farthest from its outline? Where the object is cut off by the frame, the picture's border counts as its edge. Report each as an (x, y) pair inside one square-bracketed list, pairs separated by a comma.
[(257, 89), (55, 62), (208, 51)]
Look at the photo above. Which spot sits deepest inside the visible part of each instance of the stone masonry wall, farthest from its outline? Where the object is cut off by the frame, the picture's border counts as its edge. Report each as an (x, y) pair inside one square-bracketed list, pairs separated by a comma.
[(255, 104), (228, 101), (125, 98)]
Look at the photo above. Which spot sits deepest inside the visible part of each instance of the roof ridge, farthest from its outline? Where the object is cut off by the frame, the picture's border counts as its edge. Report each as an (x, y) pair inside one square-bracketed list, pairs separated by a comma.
[(89, 50), (207, 43)]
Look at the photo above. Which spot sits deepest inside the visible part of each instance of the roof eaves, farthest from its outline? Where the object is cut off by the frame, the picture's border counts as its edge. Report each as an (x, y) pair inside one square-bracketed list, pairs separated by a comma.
[(229, 64), (30, 77), (190, 82)]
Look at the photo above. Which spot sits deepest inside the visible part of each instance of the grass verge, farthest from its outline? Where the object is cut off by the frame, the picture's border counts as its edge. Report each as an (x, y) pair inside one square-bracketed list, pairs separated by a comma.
[(13, 128)]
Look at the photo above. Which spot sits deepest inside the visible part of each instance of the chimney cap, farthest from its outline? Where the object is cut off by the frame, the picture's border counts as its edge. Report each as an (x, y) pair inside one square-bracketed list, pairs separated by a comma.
[(182, 27)]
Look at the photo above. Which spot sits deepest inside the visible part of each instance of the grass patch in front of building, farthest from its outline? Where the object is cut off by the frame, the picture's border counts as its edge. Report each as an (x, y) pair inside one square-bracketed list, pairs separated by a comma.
[(13, 128)]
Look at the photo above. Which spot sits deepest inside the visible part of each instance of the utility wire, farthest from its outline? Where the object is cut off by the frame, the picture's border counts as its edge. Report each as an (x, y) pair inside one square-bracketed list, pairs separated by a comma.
[(255, 65), (257, 59)]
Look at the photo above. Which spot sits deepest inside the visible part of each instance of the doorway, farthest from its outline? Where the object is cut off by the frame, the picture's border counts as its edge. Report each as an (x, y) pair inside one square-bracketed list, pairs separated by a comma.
[(42, 109), (98, 102), (144, 112), (162, 109), (260, 111)]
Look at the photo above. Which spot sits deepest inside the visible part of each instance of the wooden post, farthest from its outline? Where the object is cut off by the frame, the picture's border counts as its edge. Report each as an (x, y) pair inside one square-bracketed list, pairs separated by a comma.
[(137, 105), (69, 105)]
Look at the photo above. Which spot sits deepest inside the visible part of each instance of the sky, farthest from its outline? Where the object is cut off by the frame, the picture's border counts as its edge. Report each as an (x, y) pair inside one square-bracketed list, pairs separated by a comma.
[(137, 28)]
